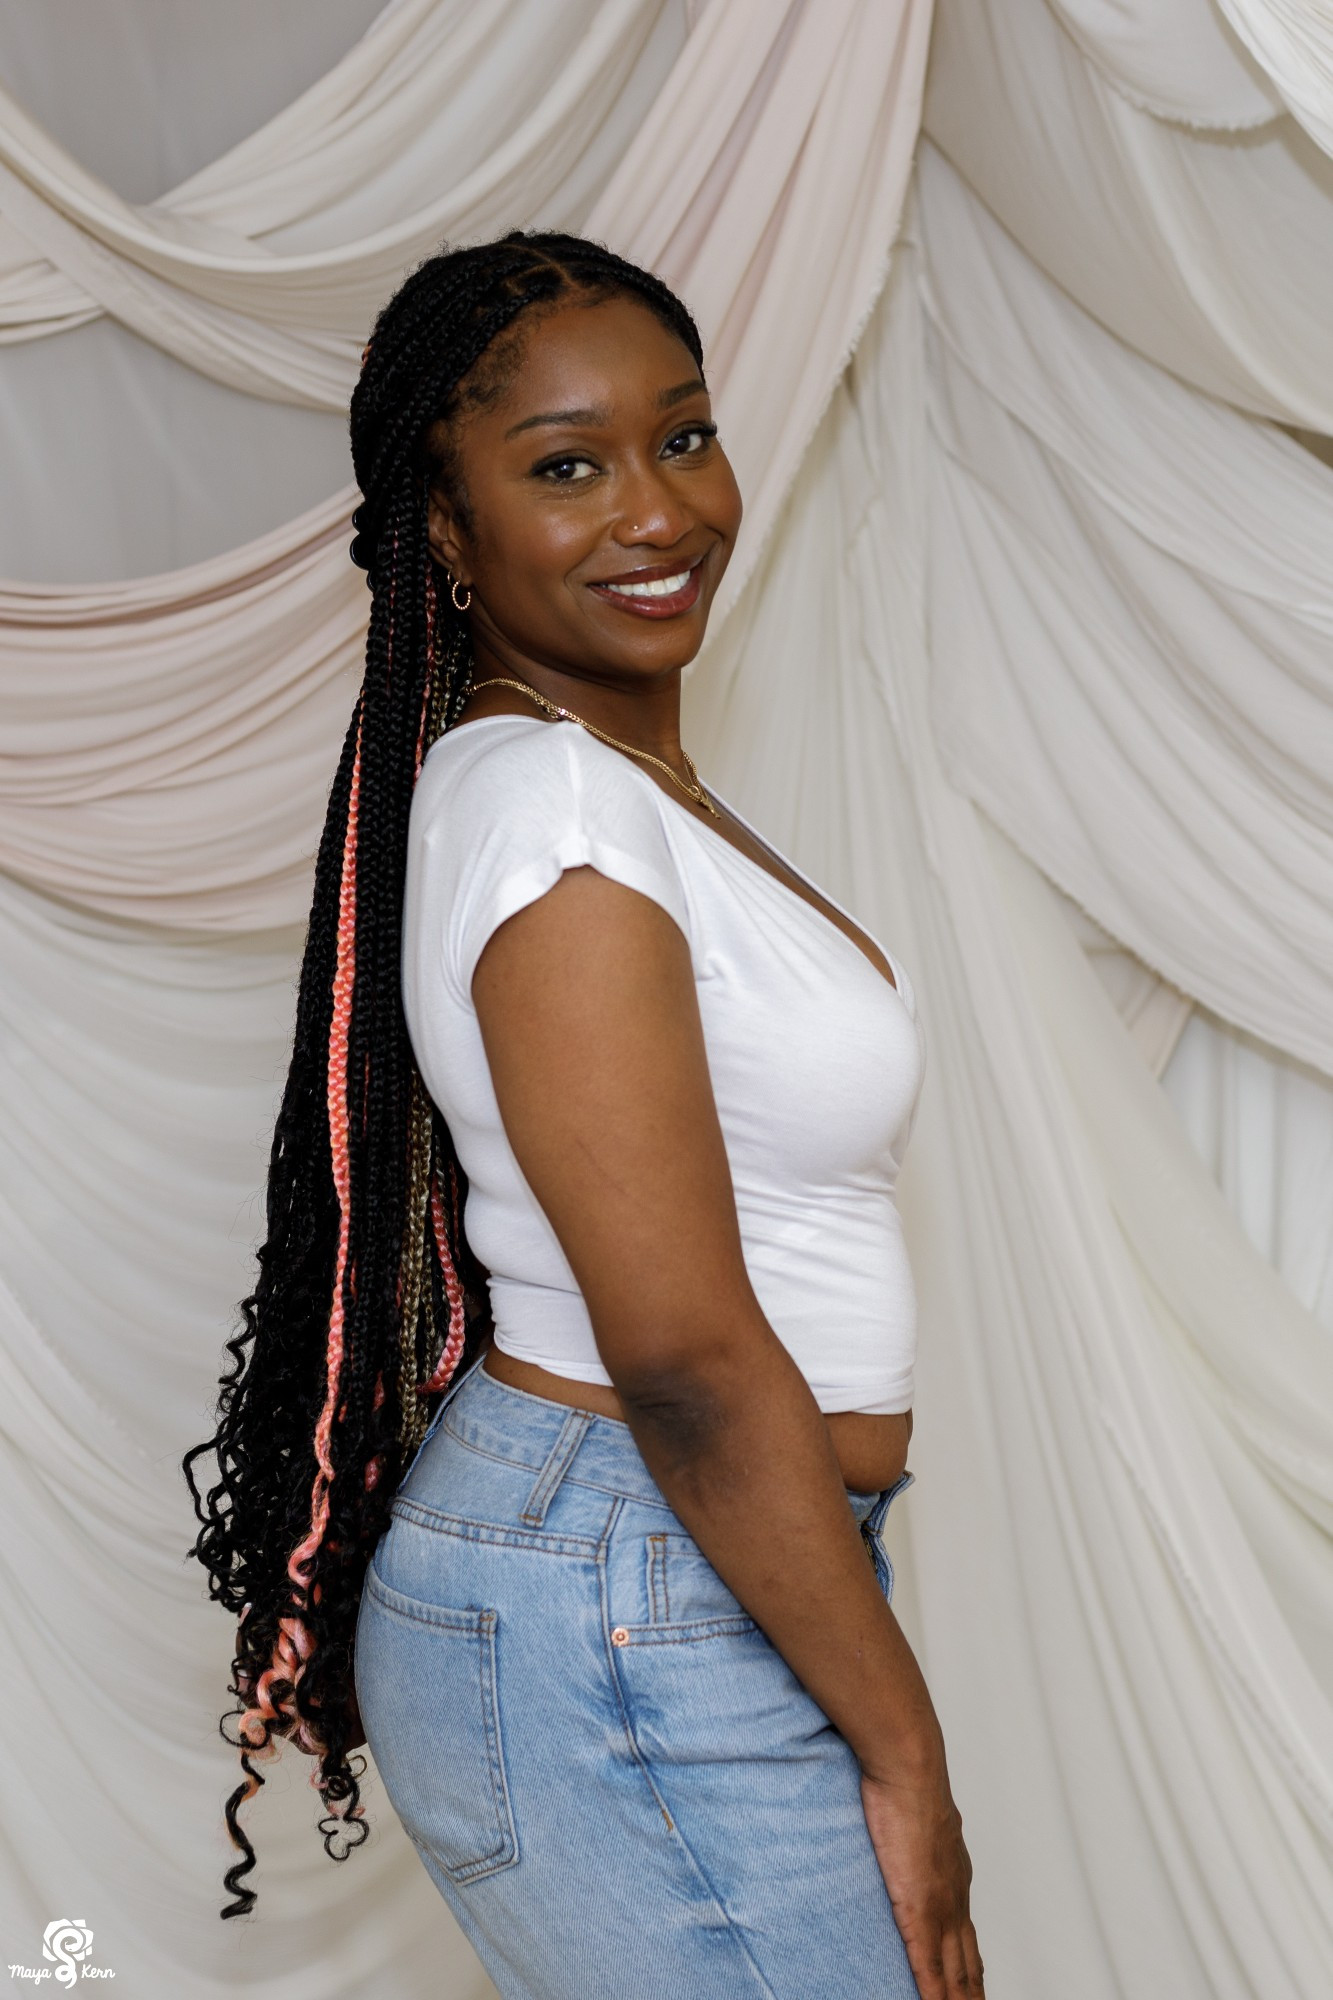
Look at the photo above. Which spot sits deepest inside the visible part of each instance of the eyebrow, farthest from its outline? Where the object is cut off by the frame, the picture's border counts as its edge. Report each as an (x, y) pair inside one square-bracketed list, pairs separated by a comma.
[(597, 416)]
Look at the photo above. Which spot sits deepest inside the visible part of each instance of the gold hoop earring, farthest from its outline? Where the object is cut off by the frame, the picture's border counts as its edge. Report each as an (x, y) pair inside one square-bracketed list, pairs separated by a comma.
[(453, 592)]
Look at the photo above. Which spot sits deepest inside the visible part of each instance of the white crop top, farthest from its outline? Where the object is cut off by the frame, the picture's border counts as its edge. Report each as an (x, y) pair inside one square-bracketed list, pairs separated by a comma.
[(815, 1060)]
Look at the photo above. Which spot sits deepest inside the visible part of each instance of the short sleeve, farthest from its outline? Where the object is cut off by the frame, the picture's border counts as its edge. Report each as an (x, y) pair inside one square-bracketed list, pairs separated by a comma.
[(504, 815)]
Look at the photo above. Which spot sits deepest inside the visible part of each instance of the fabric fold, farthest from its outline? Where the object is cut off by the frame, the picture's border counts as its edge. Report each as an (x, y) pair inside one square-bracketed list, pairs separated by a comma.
[(1132, 603), (1163, 234)]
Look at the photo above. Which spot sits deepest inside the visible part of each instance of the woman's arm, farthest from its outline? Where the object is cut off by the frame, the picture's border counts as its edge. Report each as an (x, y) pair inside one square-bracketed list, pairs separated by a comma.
[(591, 1024)]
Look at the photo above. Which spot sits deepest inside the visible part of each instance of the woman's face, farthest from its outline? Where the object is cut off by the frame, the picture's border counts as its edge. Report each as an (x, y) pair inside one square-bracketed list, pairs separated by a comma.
[(603, 509)]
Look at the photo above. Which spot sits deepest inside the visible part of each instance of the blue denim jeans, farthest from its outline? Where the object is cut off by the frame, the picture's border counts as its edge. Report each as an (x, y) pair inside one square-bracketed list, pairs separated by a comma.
[(610, 1774)]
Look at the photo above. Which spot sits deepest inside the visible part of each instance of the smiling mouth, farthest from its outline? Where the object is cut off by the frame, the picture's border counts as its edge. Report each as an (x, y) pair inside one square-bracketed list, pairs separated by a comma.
[(656, 596)]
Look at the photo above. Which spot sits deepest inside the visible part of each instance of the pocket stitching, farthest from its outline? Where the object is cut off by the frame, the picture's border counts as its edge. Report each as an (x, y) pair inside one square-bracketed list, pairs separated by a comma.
[(689, 1632), (417, 1611), (581, 1547), (658, 1597), (482, 1625), (490, 1864), (661, 1625)]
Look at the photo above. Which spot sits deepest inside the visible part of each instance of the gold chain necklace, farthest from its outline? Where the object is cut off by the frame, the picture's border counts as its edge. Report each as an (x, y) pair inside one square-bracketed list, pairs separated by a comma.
[(693, 788)]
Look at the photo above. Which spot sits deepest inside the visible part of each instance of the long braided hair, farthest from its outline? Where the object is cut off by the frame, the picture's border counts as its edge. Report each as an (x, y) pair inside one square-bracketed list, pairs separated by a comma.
[(367, 1298)]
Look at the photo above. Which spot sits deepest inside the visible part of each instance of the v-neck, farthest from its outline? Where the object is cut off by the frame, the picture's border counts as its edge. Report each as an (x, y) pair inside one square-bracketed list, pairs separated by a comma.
[(747, 860)]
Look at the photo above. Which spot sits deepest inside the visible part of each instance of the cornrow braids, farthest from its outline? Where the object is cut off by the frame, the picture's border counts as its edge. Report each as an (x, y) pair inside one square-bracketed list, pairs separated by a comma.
[(367, 1298)]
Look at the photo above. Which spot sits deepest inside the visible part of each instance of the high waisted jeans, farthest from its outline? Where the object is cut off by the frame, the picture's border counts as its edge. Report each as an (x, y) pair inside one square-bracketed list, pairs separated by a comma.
[(612, 1777)]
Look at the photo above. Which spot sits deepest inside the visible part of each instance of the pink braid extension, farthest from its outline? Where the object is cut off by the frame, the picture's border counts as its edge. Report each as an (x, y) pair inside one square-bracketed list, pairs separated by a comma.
[(453, 1290), (295, 1640)]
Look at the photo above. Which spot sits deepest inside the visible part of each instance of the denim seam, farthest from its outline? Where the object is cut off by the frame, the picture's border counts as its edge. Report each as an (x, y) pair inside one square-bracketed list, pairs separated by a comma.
[(422, 1613), (507, 1852), (734, 1930), (577, 1547), (689, 1632), (872, 1533), (523, 1465), (880, 1563), (659, 1601), (619, 1493)]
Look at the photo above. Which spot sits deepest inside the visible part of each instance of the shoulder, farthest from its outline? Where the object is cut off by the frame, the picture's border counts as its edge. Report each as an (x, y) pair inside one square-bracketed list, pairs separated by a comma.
[(503, 806), (491, 764), (524, 768), (514, 749)]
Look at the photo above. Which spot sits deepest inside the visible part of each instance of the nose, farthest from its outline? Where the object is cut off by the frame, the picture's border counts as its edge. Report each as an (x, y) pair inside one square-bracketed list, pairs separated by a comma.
[(652, 513)]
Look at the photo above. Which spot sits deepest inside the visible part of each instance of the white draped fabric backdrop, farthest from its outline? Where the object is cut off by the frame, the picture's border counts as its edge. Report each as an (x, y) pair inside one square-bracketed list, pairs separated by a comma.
[(1023, 357)]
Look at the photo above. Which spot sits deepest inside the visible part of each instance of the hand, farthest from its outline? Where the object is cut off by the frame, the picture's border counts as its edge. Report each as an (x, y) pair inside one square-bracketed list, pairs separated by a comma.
[(917, 1833)]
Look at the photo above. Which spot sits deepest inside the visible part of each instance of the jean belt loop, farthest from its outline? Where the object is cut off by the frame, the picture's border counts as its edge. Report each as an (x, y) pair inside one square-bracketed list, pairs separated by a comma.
[(558, 1461)]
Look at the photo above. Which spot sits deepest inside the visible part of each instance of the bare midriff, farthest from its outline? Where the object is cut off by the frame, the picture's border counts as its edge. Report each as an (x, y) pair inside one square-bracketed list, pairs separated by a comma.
[(871, 1450)]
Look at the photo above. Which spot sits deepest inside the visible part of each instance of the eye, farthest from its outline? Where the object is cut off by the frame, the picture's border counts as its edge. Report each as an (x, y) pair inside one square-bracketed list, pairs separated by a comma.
[(569, 470), (691, 440)]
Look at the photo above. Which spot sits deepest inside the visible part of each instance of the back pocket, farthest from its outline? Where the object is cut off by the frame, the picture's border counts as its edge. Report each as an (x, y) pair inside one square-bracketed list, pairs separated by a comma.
[(426, 1688)]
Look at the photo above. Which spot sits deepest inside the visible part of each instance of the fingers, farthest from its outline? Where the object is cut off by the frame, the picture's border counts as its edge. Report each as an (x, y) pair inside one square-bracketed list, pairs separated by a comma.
[(960, 1962), (976, 1972), (928, 1971), (950, 1967), (928, 1873)]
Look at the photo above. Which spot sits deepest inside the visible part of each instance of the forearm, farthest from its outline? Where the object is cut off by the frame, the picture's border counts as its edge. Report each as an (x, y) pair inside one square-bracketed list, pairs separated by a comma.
[(734, 1444)]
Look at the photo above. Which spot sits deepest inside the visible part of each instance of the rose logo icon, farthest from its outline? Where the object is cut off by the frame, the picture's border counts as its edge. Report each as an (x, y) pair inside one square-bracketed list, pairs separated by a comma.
[(66, 1941)]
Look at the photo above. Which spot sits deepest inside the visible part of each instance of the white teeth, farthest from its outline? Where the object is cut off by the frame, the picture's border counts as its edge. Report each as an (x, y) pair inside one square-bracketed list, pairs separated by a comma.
[(662, 586)]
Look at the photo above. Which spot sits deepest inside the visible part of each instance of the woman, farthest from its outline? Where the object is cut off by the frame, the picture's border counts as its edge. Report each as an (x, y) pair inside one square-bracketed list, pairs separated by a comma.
[(631, 1684)]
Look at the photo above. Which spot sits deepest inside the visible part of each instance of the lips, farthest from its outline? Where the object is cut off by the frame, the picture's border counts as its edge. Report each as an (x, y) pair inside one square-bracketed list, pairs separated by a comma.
[(661, 593)]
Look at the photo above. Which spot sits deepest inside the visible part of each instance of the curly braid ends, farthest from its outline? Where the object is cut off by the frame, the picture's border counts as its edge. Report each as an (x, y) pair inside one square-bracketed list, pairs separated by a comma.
[(367, 1298)]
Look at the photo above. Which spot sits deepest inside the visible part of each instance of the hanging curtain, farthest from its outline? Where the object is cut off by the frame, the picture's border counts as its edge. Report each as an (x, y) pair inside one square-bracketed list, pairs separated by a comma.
[(1134, 667), (166, 756), (1117, 1556), (1024, 655), (1293, 40)]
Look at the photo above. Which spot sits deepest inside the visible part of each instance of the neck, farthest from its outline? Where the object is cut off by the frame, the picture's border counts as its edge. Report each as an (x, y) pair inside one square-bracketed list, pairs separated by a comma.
[(643, 713)]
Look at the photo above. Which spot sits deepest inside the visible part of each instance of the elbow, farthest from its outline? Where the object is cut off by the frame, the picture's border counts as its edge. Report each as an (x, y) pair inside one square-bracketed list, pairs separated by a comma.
[(683, 1414), (692, 1394)]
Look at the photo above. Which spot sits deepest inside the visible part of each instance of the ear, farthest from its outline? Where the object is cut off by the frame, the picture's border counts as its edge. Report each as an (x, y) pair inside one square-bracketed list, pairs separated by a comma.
[(446, 540)]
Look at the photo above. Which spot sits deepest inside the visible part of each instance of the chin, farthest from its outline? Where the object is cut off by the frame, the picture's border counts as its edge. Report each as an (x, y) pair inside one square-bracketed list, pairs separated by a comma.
[(668, 654)]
